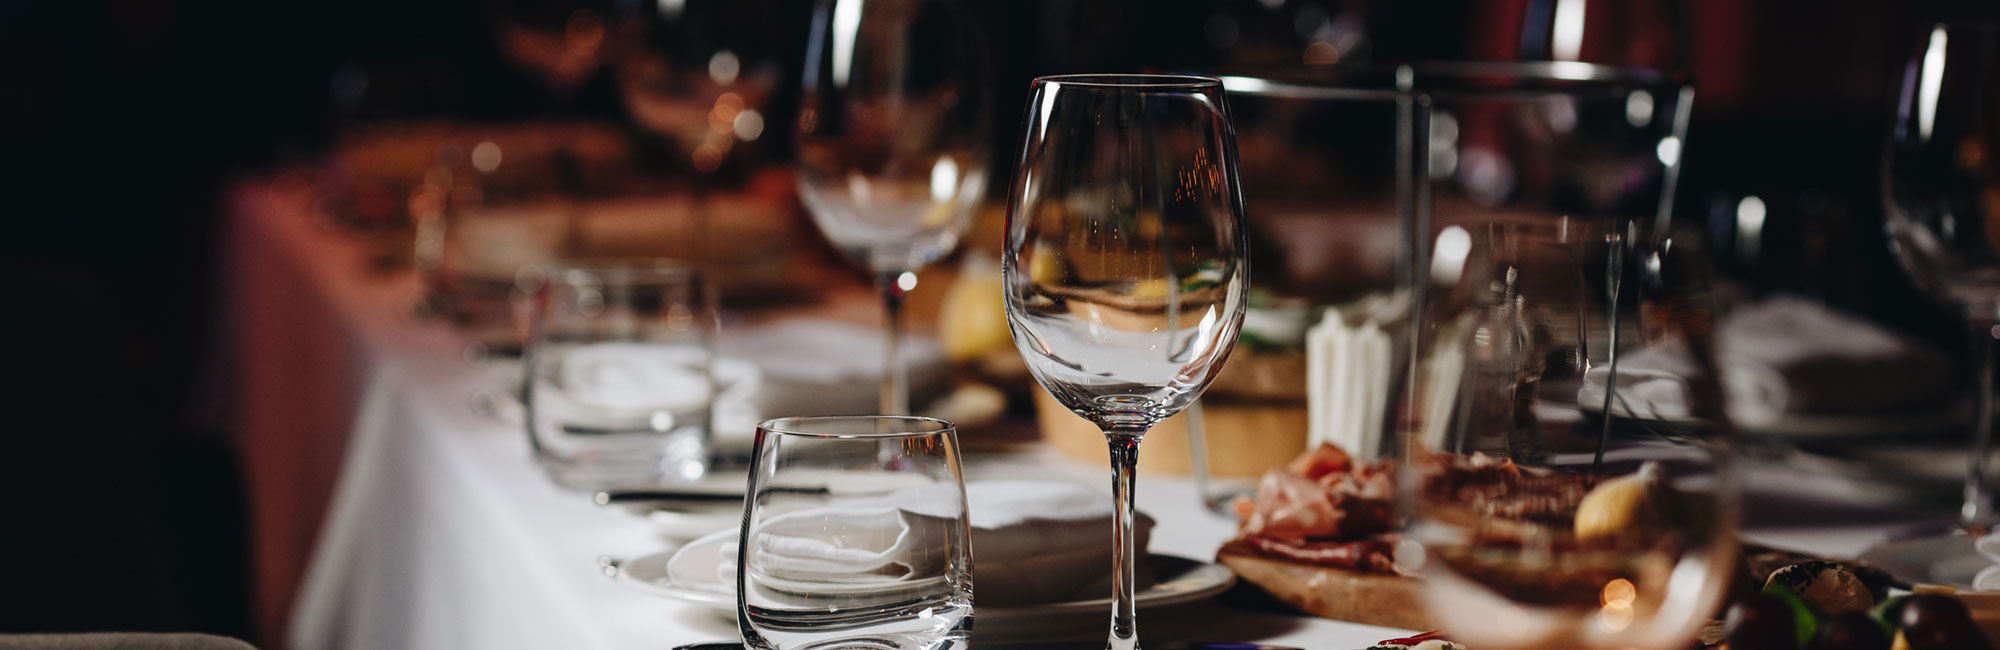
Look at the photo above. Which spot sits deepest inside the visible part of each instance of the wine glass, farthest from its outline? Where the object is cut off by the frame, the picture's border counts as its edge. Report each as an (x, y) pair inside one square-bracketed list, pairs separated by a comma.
[(700, 75), (1125, 270), (1942, 182), (893, 135)]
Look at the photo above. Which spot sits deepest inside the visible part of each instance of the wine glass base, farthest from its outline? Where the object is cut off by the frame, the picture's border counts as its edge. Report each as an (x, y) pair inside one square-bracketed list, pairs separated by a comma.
[(1941, 554)]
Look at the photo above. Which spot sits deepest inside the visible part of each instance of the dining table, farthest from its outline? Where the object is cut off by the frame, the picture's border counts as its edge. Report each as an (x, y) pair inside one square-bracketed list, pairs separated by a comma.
[(394, 507)]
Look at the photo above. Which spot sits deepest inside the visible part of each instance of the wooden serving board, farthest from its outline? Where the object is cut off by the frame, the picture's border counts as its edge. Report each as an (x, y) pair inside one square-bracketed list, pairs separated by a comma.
[(1372, 598)]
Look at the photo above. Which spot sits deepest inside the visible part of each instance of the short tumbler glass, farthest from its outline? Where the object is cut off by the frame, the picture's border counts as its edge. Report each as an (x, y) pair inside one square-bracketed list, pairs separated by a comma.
[(619, 379), (855, 536)]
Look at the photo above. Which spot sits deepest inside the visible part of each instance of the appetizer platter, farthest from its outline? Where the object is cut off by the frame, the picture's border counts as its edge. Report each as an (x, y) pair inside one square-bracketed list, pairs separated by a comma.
[(1321, 535)]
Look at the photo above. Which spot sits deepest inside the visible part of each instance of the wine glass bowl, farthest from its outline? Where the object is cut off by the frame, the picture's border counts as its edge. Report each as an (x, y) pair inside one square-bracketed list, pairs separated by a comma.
[(1125, 271), (1942, 187), (893, 132), (701, 74)]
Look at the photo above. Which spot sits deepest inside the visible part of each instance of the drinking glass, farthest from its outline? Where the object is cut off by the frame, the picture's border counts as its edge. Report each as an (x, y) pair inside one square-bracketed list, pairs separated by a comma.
[(855, 536), (699, 75), (1125, 269), (1942, 181), (893, 129), (620, 384), (1538, 517), (1567, 461)]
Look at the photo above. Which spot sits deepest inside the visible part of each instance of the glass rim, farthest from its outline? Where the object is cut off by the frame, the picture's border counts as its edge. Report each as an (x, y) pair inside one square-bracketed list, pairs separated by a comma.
[(618, 269), (788, 426), (1461, 79), (1133, 81)]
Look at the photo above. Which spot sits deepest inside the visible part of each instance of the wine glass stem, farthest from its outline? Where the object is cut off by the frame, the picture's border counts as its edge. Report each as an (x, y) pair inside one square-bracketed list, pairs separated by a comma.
[(1978, 507), (1124, 467), (895, 399)]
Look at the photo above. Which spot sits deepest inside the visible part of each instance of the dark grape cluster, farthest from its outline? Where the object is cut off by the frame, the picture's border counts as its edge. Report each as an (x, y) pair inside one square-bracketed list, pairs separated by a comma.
[(1778, 620)]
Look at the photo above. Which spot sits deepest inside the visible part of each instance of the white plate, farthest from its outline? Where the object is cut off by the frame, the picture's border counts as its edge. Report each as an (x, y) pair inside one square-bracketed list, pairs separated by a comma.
[(1938, 560), (1179, 580)]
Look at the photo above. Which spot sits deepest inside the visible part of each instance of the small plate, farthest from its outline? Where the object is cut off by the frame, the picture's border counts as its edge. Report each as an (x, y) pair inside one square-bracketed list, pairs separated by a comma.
[(1950, 560), (1179, 580)]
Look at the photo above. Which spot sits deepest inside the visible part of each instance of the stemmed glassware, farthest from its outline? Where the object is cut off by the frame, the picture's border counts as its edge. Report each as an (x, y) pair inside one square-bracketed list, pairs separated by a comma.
[(1942, 180), (700, 74), (893, 135), (1125, 271)]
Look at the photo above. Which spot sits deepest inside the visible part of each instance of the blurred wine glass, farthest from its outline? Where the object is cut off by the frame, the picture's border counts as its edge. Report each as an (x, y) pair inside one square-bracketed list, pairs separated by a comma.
[(894, 131), (700, 74), (1126, 270), (561, 44), (1943, 188)]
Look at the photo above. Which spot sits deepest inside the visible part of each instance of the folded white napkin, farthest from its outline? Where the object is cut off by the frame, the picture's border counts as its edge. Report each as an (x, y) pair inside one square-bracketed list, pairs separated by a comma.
[(823, 367), (619, 378), (1787, 357), (1032, 542), (892, 543), (1649, 383)]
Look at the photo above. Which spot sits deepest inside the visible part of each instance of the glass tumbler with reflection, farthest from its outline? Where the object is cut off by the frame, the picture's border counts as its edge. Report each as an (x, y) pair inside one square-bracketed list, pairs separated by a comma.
[(1592, 511), (619, 381), (855, 536)]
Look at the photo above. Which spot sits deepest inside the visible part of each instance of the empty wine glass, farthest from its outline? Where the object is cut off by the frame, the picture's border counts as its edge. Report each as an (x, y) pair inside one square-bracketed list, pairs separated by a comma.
[(1942, 181), (893, 131), (700, 74), (1125, 270)]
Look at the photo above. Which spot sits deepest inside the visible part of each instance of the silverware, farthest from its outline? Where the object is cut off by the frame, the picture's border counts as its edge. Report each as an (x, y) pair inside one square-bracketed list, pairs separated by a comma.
[(629, 496)]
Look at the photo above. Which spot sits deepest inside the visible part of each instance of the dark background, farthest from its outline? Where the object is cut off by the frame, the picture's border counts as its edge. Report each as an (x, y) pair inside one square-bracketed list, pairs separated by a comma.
[(121, 119)]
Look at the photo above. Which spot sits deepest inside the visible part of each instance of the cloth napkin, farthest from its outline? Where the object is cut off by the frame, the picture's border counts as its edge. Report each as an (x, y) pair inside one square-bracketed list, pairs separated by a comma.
[(822, 367), (622, 377), (1787, 356), (1032, 542)]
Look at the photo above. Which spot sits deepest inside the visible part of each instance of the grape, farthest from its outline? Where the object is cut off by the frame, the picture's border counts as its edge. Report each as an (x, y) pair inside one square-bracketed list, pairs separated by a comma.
[(1939, 622), (1759, 623), (1850, 631)]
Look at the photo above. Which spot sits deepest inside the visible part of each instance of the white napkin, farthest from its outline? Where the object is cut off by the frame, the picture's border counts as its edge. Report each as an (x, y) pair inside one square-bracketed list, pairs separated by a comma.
[(1032, 542), (890, 544), (632, 376), (1649, 383), (1784, 357), (822, 367)]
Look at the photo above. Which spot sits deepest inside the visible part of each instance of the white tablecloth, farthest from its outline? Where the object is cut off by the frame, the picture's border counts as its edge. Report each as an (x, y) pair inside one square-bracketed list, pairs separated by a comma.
[(439, 532)]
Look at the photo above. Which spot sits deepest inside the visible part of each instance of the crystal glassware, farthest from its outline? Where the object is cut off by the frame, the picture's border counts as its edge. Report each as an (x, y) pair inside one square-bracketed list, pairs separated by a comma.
[(1125, 271), (855, 535), (619, 373), (1941, 180), (893, 133)]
